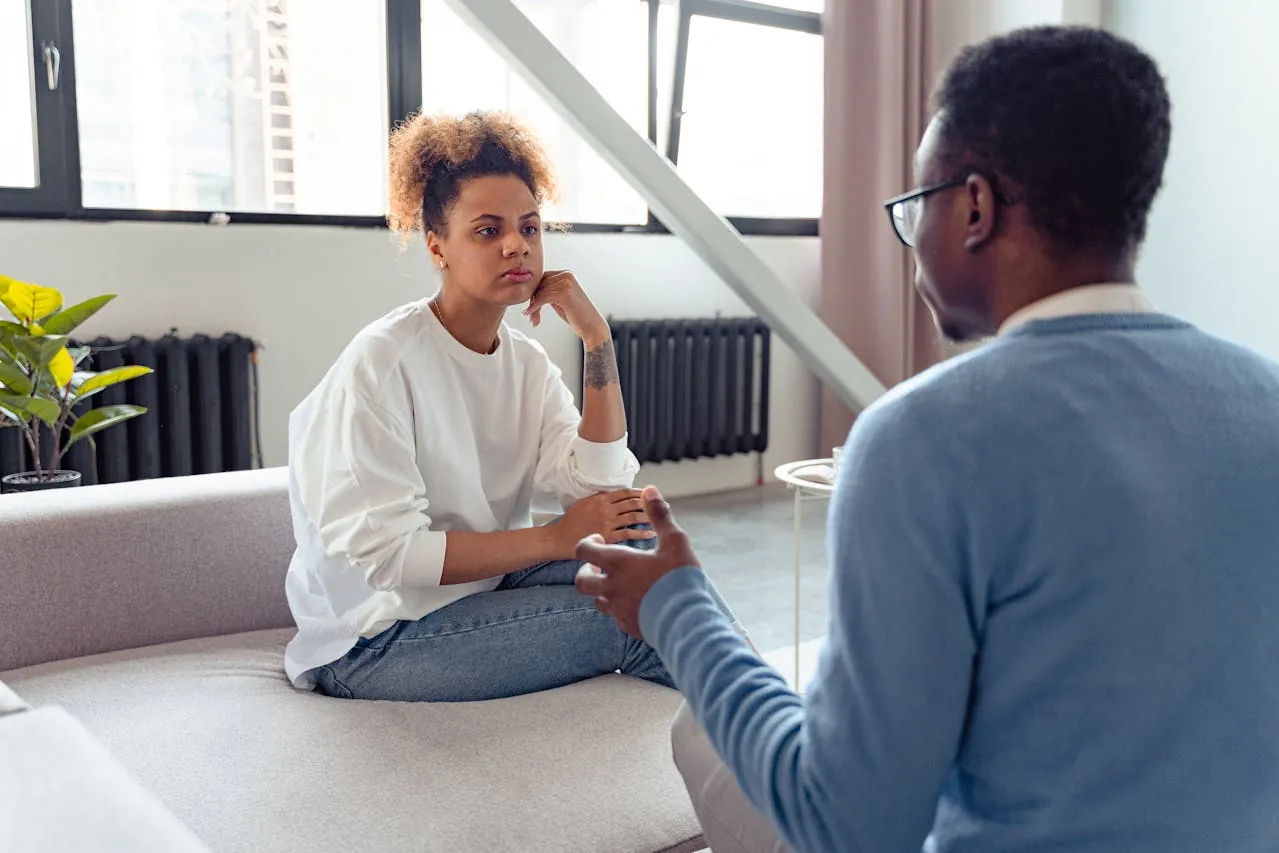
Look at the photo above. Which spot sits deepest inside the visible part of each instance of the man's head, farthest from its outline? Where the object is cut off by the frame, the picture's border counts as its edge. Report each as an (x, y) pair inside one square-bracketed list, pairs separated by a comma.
[(1046, 150)]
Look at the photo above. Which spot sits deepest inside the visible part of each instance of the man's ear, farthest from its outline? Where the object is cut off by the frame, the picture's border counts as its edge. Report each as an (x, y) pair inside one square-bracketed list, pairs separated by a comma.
[(983, 210)]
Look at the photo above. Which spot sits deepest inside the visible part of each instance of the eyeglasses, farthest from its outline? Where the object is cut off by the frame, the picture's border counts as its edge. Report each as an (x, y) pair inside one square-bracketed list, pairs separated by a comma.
[(903, 211)]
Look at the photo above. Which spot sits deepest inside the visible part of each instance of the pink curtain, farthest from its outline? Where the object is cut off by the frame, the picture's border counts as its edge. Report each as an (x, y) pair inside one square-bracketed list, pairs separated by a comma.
[(878, 80)]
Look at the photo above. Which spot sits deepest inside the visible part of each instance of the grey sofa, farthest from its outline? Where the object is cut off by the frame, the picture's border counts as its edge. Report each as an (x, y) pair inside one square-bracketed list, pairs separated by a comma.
[(153, 613)]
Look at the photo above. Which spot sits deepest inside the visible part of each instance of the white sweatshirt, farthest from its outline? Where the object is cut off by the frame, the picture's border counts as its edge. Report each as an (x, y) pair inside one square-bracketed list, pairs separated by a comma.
[(411, 434)]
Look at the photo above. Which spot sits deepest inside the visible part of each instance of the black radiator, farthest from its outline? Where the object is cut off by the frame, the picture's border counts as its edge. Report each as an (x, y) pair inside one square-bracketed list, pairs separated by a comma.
[(694, 388), (201, 403)]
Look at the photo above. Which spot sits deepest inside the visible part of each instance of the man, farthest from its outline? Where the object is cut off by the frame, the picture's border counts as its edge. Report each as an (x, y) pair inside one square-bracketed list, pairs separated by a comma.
[(1055, 560)]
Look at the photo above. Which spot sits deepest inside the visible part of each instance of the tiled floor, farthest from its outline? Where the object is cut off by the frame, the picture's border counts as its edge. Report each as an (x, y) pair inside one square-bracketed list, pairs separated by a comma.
[(746, 542)]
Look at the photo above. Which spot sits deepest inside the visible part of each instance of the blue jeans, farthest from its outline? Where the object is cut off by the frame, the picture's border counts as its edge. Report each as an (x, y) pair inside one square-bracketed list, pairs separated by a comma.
[(534, 632)]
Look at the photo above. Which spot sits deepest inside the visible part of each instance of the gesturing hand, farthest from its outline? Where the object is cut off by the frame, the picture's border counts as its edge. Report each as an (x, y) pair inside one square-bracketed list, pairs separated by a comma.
[(609, 515), (619, 578), (561, 290)]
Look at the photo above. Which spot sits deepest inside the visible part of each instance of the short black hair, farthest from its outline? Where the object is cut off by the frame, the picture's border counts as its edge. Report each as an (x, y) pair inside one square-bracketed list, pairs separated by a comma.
[(1074, 122)]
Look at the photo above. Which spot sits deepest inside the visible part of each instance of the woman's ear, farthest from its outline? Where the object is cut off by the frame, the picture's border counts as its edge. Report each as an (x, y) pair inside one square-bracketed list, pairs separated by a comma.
[(437, 251)]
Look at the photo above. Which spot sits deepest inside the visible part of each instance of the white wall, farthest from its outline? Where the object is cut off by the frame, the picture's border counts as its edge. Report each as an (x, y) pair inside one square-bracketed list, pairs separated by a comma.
[(957, 23), (304, 291), (1208, 254)]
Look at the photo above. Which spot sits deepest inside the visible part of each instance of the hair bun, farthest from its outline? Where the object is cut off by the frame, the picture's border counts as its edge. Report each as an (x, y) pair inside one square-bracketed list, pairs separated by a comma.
[(432, 154)]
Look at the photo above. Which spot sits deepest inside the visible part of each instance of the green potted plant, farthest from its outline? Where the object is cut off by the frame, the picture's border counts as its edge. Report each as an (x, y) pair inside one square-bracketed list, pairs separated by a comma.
[(41, 382)]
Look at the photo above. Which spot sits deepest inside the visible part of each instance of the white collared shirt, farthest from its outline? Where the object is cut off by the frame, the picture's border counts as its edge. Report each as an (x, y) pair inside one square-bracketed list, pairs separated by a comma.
[(1090, 299)]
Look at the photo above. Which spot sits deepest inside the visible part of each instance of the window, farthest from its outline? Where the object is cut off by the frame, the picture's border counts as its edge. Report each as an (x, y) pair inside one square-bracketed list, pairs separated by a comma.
[(263, 106), (817, 6), (17, 98), (751, 133), (744, 132), (279, 110), (32, 127), (461, 73)]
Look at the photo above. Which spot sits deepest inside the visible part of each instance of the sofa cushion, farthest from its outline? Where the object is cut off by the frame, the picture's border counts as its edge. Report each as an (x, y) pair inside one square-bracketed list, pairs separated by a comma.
[(248, 763)]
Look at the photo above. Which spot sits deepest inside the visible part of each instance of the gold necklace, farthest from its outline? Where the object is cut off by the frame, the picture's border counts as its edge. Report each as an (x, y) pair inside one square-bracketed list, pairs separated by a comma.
[(439, 315)]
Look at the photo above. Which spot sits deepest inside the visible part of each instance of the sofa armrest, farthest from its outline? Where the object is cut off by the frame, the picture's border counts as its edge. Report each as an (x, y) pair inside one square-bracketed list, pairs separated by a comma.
[(10, 702), (104, 568), (61, 790)]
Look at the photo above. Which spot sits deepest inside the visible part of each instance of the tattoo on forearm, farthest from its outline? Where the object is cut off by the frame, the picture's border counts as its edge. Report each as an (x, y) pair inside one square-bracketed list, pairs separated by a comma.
[(601, 366)]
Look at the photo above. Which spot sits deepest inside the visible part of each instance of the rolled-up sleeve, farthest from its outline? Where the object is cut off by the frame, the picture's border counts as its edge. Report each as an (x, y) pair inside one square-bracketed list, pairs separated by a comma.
[(569, 466), (359, 483)]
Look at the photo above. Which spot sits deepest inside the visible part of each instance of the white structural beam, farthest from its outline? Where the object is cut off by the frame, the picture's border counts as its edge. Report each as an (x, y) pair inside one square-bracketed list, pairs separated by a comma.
[(710, 235)]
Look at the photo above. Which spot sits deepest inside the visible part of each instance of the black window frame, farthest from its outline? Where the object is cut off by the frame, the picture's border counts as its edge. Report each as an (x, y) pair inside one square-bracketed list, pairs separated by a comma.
[(744, 12), (48, 19), (59, 192)]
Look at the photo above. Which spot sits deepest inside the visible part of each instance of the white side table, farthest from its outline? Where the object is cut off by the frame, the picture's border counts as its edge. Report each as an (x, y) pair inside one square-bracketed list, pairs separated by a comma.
[(806, 480)]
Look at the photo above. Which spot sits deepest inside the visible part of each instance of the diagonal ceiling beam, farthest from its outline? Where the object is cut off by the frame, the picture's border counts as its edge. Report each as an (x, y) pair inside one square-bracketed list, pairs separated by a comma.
[(516, 39)]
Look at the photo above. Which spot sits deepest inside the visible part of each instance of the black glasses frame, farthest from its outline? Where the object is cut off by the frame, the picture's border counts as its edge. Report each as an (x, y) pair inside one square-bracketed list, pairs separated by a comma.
[(923, 192)]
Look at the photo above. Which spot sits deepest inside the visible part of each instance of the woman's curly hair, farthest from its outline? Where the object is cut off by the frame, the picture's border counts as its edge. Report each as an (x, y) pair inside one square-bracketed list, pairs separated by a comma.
[(431, 156)]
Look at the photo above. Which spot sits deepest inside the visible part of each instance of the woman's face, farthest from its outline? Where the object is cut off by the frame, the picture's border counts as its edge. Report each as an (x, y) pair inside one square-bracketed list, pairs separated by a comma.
[(493, 251)]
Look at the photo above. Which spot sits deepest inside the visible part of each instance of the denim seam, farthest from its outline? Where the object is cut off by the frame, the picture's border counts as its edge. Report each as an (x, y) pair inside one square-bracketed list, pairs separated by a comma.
[(512, 580), (450, 633), (337, 682)]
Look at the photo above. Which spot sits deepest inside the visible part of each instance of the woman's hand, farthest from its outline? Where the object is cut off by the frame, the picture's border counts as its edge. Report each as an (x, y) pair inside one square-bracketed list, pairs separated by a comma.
[(619, 578), (608, 514), (560, 290)]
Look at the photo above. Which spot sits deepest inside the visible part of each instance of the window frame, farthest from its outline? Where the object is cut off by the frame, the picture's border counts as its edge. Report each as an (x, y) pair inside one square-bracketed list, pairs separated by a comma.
[(59, 192), (48, 20), (742, 12)]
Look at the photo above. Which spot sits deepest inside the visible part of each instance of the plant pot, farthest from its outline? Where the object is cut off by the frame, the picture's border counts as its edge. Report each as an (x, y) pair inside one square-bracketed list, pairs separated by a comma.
[(28, 482)]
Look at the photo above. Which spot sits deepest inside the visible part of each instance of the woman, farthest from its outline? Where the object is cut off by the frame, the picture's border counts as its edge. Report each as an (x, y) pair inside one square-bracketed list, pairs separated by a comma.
[(416, 461)]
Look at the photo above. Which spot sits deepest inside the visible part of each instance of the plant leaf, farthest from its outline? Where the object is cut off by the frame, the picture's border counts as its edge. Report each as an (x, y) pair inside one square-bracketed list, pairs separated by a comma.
[(13, 409), (96, 420), (79, 354), (46, 410), (29, 407), (61, 367), (8, 332), (47, 362), (30, 301), (68, 319), (39, 350), (95, 382), (14, 379)]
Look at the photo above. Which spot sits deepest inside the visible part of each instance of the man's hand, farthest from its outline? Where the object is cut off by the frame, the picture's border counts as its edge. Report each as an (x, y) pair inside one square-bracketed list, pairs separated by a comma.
[(610, 515), (619, 578)]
